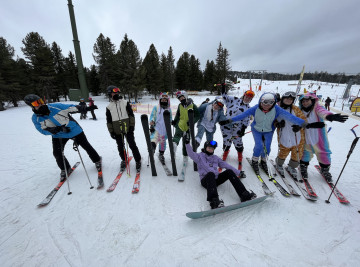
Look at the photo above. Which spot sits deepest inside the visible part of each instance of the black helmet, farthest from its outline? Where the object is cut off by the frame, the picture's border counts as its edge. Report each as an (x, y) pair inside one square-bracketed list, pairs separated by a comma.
[(111, 88), (30, 99)]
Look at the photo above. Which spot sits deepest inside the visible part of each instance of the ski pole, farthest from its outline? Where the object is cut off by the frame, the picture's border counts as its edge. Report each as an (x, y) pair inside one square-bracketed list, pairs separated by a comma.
[(348, 156), (66, 171), (76, 148)]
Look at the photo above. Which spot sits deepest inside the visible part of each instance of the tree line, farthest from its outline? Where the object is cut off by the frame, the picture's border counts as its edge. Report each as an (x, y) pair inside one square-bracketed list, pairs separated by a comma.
[(47, 72)]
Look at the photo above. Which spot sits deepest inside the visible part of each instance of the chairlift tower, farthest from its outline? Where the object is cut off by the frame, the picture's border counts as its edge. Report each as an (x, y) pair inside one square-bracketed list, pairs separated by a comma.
[(262, 76)]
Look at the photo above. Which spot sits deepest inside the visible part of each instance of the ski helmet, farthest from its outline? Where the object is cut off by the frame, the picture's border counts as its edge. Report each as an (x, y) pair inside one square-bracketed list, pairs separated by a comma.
[(268, 98), (33, 100), (181, 93), (112, 89), (250, 94), (289, 94)]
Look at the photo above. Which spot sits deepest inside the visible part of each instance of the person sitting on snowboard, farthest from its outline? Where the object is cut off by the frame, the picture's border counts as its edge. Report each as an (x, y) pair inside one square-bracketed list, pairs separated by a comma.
[(316, 140), (157, 125), (181, 120), (55, 120), (210, 178), (265, 113)]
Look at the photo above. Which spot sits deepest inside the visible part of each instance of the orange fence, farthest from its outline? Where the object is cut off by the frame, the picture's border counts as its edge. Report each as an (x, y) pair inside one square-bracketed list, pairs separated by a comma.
[(147, 108)]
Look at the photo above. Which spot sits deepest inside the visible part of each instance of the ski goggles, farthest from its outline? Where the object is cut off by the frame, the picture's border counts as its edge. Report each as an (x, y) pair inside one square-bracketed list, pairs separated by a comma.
[(220, 105), (115, 90), (249, 93), (178, 94), (213, 143), (268, 102), (288, 94), (164, 95), (37, 103)]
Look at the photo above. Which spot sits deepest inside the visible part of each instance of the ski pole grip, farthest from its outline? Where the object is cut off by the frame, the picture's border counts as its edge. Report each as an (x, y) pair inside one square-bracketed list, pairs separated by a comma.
[(353, 145)]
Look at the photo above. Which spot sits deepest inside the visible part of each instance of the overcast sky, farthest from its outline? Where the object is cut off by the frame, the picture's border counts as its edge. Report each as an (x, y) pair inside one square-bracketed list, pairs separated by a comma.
[(272, 35)]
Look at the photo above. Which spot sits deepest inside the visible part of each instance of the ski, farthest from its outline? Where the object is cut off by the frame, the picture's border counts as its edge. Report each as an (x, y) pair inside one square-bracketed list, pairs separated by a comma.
[(117, 179), (292, 191), (308, 187), (136, 186), (337, 193), (192, 133), (183, 171), (170, 141), (300, 184), (100, 180), (278, 186), (145, 125), (206, 213), (54, 191), (166, 169), (263, 184)]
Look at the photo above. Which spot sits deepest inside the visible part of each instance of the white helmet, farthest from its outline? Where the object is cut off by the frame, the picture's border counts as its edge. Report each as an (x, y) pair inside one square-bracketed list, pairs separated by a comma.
[(267, 97)]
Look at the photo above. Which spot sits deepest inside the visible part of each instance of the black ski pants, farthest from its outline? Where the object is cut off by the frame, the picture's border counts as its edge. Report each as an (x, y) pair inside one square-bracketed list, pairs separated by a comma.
[(80, 139), (130, 138), (211, 183)]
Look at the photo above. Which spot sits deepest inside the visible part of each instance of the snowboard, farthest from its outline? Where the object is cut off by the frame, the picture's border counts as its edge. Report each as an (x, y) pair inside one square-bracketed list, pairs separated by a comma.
[(206, 213)]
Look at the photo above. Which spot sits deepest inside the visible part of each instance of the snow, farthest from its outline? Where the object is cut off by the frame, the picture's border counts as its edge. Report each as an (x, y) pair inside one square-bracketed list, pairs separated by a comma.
[(96, 228)]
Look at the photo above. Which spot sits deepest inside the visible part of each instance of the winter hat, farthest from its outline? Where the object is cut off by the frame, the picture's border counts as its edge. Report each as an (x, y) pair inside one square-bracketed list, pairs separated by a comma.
[(181, 93)]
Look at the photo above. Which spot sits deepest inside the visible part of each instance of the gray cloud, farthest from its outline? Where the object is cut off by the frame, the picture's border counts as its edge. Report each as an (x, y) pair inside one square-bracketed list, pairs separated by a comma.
[(276, 35)]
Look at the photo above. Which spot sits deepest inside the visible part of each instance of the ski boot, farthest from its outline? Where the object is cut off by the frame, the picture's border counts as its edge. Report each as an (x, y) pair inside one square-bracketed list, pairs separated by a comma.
[(325, 172), (98, 165), (293, 171), (242, 174), (255, 165), (138, 166), (279, 166), (161, 157), (246, 195), (122, 165), (303, 171), (63, 176), (264, 166), (216, 203)]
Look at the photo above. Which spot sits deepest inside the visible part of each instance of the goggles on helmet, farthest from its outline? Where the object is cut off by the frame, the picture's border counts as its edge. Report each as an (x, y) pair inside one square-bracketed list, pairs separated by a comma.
[(178, 94), (220, 105), (213, 143), (268, 101), (249, 93), (115, 90), (292, 94), (37, 103)]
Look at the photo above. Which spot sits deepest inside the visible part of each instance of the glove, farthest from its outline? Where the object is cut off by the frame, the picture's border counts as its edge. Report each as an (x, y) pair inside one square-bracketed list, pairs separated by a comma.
[(113, 135), (241, 132), (54, 130), (187, 123), (152, 129), (280, 124), (131, 128), (186, 137), (296, 128), (318, 124), (337, 117), (224, 122), (173, 123)]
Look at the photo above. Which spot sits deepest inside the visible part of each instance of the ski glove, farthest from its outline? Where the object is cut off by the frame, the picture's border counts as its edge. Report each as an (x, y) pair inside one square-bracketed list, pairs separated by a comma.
[(224, 122), (296, 128), (318, 124), (173, 122), (186, 137), (113, 135), (337, 117), (152, 128), (280, 124), (57, 129), (241, 132)]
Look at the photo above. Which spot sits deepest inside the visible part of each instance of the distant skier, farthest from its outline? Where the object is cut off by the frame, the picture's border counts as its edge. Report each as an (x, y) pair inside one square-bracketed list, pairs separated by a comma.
[(210, 114), (233, 133), (157, 125), (208, 165), (82, 109), (55, 120), (206, 101), (181, 120), (265, 113), (316, 140), (121, 124), (327, 103), (92, 107)]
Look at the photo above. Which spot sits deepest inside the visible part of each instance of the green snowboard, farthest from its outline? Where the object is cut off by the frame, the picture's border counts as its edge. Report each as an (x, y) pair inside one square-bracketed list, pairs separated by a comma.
[(206, 213)]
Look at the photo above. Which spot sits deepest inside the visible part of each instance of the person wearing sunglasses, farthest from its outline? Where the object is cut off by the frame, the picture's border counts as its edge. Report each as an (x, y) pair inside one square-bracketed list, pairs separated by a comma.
[(210, 178), (120, 121), (316, 140), (181, 120), (210, 114), (157, 125), (262, 128), (55, 120), (288, 141), (233, 133)]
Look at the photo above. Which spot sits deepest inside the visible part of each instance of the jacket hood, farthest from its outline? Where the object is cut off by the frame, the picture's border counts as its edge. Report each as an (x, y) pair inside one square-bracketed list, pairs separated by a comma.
[(309, 94)]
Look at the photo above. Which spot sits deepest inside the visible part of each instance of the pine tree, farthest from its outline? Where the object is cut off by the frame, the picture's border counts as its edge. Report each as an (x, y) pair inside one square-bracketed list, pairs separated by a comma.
[(71, 72), (195, 75), (93, 81), (171, 70), (222, 64), (59, 66), (152, 71), (210, 76), (182, 72)]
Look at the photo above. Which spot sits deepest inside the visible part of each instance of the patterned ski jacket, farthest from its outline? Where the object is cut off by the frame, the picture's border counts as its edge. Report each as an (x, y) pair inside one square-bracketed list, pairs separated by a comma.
[(59, 116)]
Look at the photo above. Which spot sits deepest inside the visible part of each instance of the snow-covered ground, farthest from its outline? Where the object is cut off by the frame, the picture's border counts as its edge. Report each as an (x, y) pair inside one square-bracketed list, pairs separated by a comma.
[(96, 228)]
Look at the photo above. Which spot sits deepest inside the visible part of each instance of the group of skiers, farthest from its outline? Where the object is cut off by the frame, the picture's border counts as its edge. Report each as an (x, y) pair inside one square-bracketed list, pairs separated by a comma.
[(300, 130)]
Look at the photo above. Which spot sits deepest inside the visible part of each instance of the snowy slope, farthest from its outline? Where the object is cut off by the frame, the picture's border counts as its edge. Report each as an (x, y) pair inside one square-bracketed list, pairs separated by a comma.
[(96, 228)]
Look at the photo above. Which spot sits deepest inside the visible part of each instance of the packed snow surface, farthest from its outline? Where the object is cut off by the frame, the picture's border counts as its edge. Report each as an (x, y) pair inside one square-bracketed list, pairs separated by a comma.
[(91, 227)]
